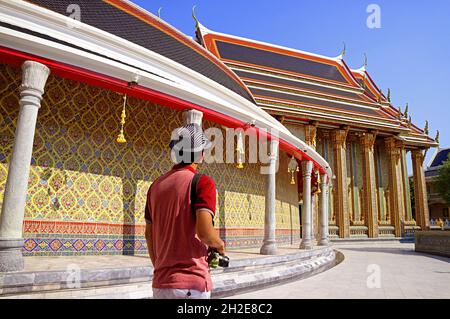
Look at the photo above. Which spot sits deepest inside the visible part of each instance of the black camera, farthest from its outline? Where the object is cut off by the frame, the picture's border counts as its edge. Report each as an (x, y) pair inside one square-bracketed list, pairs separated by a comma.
[(217, 260)]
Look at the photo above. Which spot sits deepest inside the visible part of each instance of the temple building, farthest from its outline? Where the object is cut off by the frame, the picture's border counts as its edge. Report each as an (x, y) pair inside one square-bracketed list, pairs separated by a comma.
[(90, 91), (439, 209), (344, 116)]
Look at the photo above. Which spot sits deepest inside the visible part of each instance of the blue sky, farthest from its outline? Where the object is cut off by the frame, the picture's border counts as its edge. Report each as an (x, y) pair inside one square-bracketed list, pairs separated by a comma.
[(410, 52)]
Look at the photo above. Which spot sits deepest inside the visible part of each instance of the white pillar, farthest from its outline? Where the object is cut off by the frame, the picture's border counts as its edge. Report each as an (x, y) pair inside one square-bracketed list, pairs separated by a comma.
[(324, 211), (34, 77), (306, 243), (269, 246)]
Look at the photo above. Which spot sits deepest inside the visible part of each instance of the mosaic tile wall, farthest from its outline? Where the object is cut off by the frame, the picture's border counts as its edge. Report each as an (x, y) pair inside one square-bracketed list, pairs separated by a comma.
[(87, 193)]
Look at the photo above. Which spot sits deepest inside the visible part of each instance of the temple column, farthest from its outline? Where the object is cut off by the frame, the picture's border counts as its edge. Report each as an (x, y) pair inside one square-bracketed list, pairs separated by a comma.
[(34, 77), (340, 186), (311, 140), (394, 151), (269, 246), (306, 243), (369, 184), (420, 190), (324, 211), (409, 220)]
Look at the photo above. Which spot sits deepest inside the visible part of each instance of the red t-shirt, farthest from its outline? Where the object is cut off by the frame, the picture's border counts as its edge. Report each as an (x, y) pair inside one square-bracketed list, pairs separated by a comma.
[(180, 256)]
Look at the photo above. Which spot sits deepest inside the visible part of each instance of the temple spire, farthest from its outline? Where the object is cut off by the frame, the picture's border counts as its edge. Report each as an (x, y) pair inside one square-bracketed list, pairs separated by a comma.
[(426, 129), (406, 110)]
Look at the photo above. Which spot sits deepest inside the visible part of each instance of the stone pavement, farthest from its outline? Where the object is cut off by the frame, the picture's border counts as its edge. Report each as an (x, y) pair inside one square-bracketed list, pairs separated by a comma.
[(113, 261), (403, 273), (130, 276)]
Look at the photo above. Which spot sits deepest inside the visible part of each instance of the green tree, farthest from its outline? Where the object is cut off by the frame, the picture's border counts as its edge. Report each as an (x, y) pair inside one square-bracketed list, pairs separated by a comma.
[(443, 181)]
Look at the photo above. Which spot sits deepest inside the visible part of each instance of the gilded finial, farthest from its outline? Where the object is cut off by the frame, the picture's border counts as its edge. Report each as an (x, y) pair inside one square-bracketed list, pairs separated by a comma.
[(406, 110), (389, 95), (409, 122), (426, 129), (399, 113), (121, 136), (159, 12), (437, 137), (365, 60), (194, 16)]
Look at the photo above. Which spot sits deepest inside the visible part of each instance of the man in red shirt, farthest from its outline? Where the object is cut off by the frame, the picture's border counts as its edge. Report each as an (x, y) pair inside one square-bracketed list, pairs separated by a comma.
[(179, 232)]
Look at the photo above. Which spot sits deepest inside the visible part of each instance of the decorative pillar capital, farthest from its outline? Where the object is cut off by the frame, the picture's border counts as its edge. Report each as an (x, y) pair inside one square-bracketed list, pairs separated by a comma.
[(418, 155), (307, 167), (367, 140), (193, 117), (339, 137), (393, 147), (324, 180), (34, 78), (311, 134)]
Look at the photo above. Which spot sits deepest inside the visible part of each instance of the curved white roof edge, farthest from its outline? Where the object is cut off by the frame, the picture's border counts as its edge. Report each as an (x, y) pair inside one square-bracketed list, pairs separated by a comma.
[(162, 74)]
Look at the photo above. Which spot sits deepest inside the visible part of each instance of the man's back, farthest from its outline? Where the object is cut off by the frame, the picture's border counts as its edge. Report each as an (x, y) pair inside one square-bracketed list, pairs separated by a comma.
[(180, 257)]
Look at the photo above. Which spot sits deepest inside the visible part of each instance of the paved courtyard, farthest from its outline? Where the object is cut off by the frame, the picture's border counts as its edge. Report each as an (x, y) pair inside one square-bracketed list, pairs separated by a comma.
[(372, 270)]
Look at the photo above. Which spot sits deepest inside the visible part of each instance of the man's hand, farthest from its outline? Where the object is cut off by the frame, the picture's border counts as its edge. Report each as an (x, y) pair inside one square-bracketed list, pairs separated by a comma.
[(206, 232)]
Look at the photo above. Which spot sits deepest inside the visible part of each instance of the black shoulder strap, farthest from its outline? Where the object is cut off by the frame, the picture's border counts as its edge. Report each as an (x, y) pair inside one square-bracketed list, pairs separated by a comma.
[(194, 183)]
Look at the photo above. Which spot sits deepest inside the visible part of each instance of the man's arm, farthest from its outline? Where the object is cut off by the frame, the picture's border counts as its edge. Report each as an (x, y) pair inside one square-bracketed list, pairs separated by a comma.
[(206, 232), (148, 238)]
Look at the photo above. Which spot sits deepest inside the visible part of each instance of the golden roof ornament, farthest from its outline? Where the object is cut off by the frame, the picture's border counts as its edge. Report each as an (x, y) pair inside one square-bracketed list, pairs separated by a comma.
[(379, 99), (400, 114), (426, 129), (437, 137), (364, 83), (406, 110), (159, 12), (389, 95)]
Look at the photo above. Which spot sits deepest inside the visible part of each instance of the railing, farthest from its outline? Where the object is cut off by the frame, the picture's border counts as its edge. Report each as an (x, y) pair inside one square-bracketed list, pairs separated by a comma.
[(333, 231), (358, 231), (386, 231), (439, 224)]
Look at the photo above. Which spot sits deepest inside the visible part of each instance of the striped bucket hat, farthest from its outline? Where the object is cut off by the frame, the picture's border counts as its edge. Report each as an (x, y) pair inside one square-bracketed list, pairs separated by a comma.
[(189, 139)]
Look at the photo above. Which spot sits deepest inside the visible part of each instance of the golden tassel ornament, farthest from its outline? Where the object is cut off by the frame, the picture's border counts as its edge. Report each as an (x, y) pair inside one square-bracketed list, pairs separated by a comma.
[(292, 168), (240, 151), (121, 136), (318, 183)]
